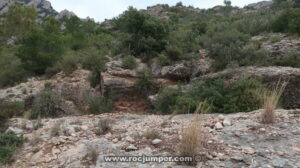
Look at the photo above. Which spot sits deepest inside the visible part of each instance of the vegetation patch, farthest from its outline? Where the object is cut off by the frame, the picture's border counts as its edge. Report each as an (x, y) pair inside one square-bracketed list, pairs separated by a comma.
[(236, 96), (9, 144)]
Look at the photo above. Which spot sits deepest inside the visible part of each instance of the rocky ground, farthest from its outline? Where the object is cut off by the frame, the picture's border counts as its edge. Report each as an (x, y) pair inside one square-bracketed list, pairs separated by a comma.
[(235, 140)]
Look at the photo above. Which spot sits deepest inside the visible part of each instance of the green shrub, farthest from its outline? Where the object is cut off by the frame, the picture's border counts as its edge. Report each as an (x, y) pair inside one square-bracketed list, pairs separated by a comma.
[(174, 53), (9, 144), (69, 63), (94, 60), (224, 46), (42, 48), (253, 55), (179, 4), (46, 104), (8, 110), (163, 60), (291, 59), (145, 83), (129, 62), (166, 100), (94, 78), (237, 96), (145, 35), (12, 76), (11, 72), (100, 104), (287, 22), (275, 39)]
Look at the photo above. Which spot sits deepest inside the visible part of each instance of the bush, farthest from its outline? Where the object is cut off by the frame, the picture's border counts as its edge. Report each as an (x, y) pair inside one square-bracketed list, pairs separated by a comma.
[(99, 105), (287, 22), (46, 104), (129, 62), (166, 100), (237, 96), (163, 60), (174, 53), (68, 64), (9, 144), (94, 61), (145, 83), (224, 46), (94, 78), (8, 110), (275, 39), (145, 34), (12, 76), (42, 48), (291, 59), (11, 72), (253, 55)]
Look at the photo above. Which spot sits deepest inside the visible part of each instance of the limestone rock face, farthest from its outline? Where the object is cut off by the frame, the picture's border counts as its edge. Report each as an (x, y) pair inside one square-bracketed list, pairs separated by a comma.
[(43, 7), (184, 69), (260, 5), (73, 88), (65, 14)]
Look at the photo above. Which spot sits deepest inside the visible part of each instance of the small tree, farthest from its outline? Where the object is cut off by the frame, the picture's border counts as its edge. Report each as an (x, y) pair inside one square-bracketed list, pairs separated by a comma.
[(178, 4), (227, 3), (145, 82), (145, 35), (42, 48), (19, 21)]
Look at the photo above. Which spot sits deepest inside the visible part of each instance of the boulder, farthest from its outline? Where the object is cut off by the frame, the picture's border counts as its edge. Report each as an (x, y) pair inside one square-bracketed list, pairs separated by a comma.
[(226, 122), (218, 126), (14, 130), (182, 70), (156, 141)]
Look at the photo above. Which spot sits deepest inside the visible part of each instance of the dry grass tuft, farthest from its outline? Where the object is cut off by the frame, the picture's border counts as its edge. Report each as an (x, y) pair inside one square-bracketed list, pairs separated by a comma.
[(92, 155), (193, 137), (270, 101), (152, 134), (104, 126)]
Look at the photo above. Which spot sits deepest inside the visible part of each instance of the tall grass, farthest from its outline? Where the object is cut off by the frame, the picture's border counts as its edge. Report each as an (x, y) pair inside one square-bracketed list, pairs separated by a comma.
[(270, 101), (193, 137)]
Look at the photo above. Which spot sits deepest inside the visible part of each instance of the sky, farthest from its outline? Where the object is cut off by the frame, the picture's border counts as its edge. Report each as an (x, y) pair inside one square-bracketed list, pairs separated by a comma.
[(107, 9)]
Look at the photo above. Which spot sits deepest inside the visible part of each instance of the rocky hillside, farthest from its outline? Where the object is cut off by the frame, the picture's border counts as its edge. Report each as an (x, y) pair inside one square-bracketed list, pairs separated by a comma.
[(43, 8), (134, 86), (236, 140)]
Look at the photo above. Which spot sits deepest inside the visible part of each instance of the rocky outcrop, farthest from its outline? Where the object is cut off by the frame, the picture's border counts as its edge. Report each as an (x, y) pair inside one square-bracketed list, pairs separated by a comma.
[(270, 76), (43, 7), (65, 14), (158, 11), (183, 70), (64, 85), (281, 47), (162, 11), (260, 5), (242, 142), (74, 90)]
